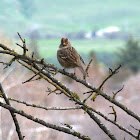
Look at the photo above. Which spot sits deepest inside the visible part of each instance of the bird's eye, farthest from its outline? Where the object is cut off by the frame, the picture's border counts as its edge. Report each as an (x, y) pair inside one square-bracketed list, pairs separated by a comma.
[(62, 40), (66, 40)]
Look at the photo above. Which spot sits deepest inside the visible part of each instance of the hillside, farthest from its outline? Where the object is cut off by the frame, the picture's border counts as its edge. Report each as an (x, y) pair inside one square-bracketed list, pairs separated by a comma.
[(68, 16)]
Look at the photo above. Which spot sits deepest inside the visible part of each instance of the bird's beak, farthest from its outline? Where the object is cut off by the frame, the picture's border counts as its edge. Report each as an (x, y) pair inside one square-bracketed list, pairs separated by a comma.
[(64, 44)]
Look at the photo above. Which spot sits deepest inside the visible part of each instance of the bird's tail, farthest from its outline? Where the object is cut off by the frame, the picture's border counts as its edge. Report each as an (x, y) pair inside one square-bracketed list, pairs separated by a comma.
[(83, 71)]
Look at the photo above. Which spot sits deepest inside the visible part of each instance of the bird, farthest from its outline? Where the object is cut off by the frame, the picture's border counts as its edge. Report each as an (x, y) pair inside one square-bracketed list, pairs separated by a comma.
[(68, 57)]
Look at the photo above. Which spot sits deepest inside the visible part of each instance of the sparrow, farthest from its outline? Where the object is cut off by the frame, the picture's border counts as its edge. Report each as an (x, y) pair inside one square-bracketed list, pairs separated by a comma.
[(68, 57)]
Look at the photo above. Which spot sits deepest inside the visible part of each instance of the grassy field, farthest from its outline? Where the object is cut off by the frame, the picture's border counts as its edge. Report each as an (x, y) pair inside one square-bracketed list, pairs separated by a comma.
[(48, 48)]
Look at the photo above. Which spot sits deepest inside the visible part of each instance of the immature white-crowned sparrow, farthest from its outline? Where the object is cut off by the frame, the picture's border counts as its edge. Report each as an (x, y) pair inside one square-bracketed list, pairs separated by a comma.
[(68, 57)]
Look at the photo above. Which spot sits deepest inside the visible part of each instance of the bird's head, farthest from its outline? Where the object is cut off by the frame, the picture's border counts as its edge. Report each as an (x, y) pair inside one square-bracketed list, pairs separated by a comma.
[(65, 42)]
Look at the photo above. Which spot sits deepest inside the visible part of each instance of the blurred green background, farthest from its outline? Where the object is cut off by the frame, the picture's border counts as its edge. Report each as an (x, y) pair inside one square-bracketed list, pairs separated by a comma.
[(69, 15), (91, 25)]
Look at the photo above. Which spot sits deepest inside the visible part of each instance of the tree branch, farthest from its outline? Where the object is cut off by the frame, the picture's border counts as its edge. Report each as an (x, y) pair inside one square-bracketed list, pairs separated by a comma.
[(78, 107), (112, 73), (114, 94), (36, 65), (12, 114), (114, 113), (49, 125), (43, 107), (101, 125)]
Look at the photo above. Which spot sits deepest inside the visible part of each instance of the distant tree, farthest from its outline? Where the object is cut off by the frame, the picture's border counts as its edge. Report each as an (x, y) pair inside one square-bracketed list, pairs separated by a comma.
[(129, 56)]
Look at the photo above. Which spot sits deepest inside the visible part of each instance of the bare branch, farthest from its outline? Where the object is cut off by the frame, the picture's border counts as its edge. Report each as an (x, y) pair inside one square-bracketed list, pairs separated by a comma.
[(88, 66), (49, 125), (24, 44), (77, 107), (48, 74), (21, 46), (10, 63), (100, 124), (114, 113), (138, 136), (29, 80), (6, 48), (94, 96), (113, 122), (111, 74), (12, 114), (114, 94), (87, 97), (76, 79), (43, 107), (88, 92)]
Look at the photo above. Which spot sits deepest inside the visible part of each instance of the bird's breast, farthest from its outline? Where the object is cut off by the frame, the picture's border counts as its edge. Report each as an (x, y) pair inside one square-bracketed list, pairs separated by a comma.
[(62, 48)]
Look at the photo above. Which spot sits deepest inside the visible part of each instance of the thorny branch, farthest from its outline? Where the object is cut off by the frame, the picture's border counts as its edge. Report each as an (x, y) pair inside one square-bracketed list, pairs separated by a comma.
[(36, 66)]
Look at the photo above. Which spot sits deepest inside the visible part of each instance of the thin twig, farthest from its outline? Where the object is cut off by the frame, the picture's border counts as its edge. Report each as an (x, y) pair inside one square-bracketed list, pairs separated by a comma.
[(114, 94), (112, 73), (21, 46), (88, 66), (43, 107), (24, 44), (29, 80), (87, 97), (88, 92), (138, 136), (8, 64), (114, 113)]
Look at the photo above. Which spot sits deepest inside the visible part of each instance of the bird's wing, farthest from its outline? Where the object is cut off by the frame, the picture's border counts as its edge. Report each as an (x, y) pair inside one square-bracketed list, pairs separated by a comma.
[(70, 55)]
